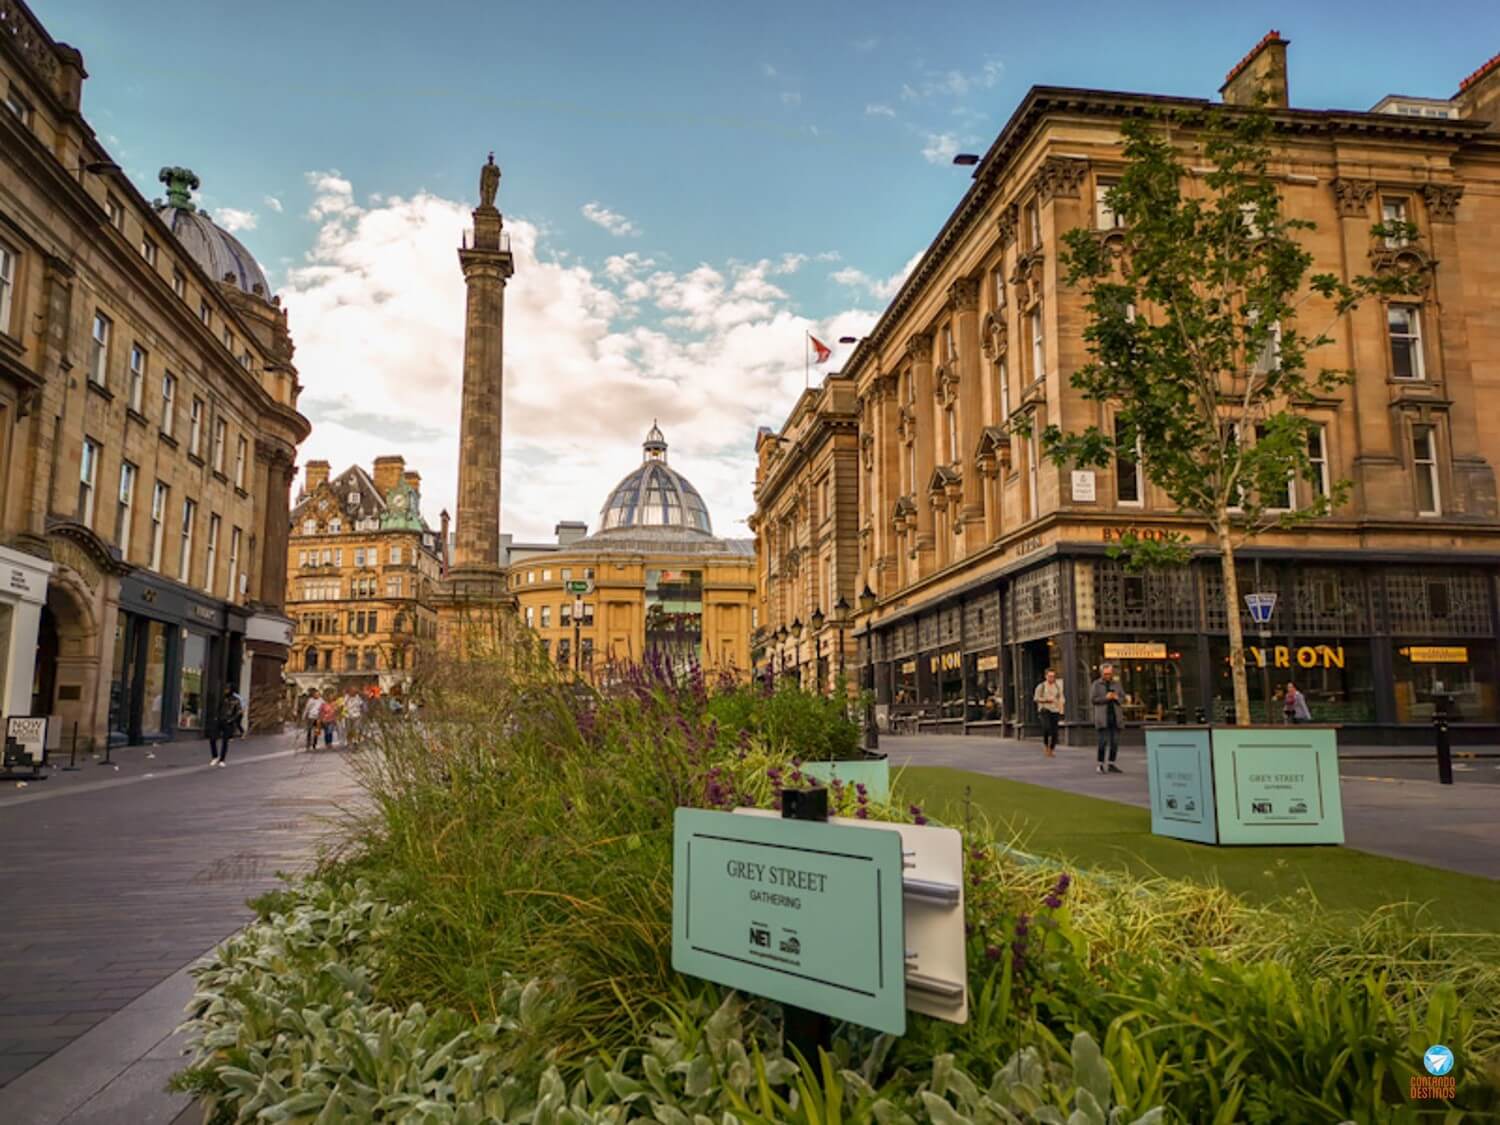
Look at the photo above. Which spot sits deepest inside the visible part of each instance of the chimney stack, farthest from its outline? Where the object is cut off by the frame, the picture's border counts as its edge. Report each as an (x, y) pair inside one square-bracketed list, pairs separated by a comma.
[(413, 479), (317, 473), (1260, 74), (388, 473)]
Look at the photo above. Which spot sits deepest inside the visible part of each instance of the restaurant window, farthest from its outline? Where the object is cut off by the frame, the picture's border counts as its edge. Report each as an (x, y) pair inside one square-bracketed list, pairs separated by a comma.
[(125, 505), (168, 403), (982, 675), (99, 345), (1461, 677), (192, 681), (154, 680), (1157, 672), (1128, 481), (904, 684), (158, 523), (1404, 325), (88, 476), (1335, 676), (1425, 468)]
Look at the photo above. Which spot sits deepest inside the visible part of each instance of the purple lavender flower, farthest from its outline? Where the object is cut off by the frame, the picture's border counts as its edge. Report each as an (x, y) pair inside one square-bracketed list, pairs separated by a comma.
[(992, 952), (862, 813), (1023, 925), (1052, 902)]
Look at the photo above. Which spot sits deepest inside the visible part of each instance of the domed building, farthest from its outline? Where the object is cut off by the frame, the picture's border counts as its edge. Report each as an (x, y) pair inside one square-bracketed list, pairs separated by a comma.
[(655, 575)]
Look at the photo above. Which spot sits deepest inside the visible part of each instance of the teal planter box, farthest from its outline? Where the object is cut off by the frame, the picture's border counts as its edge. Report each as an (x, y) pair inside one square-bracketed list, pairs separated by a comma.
[(873, 772), (1180, 771), (1245, 785), (1278, 785)]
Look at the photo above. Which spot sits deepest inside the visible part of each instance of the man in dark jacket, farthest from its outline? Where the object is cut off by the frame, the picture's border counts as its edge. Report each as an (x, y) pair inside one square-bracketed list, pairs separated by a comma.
[(1105, 698)]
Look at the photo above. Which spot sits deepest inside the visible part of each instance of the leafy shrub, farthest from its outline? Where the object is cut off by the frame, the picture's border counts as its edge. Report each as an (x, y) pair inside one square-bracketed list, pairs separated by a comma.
[(792, 722)]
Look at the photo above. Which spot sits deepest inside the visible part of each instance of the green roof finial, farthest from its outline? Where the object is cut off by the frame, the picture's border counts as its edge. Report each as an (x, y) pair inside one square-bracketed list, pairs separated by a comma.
[(180, 184)]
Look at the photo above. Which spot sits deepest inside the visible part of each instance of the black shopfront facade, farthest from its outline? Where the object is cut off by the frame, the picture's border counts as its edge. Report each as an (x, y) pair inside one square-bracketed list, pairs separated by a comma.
[(174, 650), (1372, 641)]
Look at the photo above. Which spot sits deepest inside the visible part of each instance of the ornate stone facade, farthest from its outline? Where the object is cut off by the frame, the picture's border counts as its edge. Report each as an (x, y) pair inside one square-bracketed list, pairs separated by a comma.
[(148, 428)]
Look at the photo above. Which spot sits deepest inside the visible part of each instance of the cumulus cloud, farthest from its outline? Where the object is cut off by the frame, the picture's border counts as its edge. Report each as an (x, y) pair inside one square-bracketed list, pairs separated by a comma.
[(877, 109), (612, 221), (867, 44), (882, 290), (273, 203), (953, 83), (377, 312), (233, 219), (940, 148)]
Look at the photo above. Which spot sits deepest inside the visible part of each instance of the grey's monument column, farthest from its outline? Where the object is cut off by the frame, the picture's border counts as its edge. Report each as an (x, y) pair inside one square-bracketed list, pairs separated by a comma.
[(487, 265)]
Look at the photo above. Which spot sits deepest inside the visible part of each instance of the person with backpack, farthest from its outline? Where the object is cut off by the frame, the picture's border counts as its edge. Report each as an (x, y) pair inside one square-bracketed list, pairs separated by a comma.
[(229, 724)]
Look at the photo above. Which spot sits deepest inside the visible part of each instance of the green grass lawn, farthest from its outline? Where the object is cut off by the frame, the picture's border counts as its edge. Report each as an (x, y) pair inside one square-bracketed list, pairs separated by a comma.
[(1107, 836)]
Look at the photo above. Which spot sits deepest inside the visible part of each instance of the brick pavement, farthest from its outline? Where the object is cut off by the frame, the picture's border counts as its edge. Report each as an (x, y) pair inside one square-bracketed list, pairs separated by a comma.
[(112, 881)]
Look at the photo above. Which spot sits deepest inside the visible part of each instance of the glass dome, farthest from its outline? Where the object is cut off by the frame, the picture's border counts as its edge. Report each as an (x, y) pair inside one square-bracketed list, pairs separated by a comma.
[(655, 495)]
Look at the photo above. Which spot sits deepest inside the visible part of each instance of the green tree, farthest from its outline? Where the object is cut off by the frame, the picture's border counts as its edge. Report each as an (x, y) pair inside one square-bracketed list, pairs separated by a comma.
[(1195, 314)]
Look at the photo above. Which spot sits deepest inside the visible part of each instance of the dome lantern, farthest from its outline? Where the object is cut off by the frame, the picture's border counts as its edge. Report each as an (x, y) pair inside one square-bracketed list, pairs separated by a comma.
[(655, 444), (219, 253)]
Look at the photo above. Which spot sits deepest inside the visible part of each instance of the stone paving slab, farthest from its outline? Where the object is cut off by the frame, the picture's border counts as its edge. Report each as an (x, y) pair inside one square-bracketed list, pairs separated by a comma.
[(112, 885), (1450, 826)]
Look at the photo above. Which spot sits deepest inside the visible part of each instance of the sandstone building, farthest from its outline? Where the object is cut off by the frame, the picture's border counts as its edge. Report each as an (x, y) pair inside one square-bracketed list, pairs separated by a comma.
[(985, 564), (658, 580), (362, 565), (148, 425)]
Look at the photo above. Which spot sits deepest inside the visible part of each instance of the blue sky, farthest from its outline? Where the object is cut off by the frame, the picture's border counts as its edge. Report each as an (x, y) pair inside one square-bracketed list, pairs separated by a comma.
[(707, 136)]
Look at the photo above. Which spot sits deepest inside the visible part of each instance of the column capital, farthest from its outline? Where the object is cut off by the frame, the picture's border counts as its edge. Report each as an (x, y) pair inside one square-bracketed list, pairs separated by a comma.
[(919, 347), (1352, 196), (1442, 201)]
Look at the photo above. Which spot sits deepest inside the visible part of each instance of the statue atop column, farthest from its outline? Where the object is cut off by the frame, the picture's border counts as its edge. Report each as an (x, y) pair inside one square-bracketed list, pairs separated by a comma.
[(489, 182)]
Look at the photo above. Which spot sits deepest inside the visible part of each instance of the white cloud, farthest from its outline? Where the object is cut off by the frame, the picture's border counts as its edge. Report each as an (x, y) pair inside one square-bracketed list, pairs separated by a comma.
[(377, 310), (953, 83), (940, 148), (233, 219), (877, 109), (791, 97), (612, 221), (273, 203), (867, 44), (881, 290), (768, 70)]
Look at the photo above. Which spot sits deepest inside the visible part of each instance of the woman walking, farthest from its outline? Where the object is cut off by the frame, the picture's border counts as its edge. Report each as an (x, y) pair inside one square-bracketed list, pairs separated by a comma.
[(1294, 706), (228, 725), (1050, 706)]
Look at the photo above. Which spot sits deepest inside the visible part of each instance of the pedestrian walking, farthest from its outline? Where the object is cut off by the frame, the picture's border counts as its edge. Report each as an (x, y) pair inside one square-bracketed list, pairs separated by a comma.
[(354, 713), (1294, 705), (1050, 706), (1105, 699), (312, 716), (229, 724), (328, 716)]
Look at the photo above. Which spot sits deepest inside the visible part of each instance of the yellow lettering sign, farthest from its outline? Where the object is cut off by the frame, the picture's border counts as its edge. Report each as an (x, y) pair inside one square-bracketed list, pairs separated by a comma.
[(1135, 650), (1304, 656), (1436, 654)]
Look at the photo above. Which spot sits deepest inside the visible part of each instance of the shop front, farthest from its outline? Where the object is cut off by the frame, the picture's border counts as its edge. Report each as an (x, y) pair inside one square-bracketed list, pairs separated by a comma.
[(23, 595), (174, 649)]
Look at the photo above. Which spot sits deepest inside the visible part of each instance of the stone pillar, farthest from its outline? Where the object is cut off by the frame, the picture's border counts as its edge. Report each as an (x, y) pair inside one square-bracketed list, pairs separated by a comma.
[(487, 265), (270, 568), (919, 350), (963, 297)]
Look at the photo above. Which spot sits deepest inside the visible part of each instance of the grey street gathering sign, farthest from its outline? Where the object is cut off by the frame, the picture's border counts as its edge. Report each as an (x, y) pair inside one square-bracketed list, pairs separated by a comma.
[(802, 912)]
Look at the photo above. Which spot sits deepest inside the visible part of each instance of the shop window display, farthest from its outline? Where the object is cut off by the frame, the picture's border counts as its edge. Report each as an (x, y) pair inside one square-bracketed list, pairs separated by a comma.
[(1157, 675), (194, 670), (1335, 676), (153, 714), (1461, 674)]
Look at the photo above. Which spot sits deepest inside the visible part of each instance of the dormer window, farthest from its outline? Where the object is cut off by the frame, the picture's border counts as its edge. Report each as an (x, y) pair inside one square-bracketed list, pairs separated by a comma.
[(335, 526)]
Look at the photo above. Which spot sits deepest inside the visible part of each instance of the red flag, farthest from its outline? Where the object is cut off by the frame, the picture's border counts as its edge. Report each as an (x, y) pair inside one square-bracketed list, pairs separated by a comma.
[(821, 351)]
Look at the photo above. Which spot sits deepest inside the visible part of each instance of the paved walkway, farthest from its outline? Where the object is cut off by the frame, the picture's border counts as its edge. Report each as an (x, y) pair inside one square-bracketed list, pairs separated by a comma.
[(1386, 811), (114, 882)]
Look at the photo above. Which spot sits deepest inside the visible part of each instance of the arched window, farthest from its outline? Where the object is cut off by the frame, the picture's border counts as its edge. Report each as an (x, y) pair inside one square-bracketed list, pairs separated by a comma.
[(311, 660)]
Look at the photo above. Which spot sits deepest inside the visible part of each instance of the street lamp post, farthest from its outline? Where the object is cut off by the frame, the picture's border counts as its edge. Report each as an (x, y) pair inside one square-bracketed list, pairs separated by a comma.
[(867, 600), (816, 622)]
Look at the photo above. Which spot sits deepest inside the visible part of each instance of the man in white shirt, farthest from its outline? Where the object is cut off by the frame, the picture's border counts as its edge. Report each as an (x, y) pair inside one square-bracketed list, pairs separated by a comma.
[(1050, 706), (310, 717)]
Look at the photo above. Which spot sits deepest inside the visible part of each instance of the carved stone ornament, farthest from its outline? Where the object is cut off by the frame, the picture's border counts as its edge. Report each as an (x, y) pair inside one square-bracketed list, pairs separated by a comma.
[(1442, 200), (1009, 224), (1027, 279), (1353, 196), (29, 38), (993, 336), (963, 294), (1060, 178), (919, 347)]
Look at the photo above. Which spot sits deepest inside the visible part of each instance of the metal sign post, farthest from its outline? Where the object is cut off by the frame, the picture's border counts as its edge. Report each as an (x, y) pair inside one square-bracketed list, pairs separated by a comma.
[(1261, 606)]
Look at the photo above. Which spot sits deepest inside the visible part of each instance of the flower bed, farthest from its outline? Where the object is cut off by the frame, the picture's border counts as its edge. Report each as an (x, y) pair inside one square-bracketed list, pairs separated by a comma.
[(494, 944)]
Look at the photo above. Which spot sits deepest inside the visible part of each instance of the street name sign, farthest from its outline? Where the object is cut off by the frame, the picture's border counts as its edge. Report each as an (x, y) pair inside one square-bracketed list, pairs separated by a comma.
[(579, 585), (802, 912)]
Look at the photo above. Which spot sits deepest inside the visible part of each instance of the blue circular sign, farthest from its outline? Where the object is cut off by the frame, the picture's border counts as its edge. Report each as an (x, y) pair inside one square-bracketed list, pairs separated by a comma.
[(1438, 1060)]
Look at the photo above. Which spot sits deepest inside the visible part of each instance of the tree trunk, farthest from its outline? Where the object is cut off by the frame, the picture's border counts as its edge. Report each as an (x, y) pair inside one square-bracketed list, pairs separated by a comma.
[(1242, 716)]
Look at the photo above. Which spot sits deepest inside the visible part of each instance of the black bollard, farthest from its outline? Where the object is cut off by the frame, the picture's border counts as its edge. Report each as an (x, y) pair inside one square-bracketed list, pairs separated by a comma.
[(73, 754), (1200, 718), (807, 1031), (1444, 751), (1181, 716)]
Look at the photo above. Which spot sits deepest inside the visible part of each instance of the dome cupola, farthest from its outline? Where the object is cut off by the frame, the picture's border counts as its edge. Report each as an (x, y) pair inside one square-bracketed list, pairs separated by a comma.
[(222, 256), (655, 495)]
